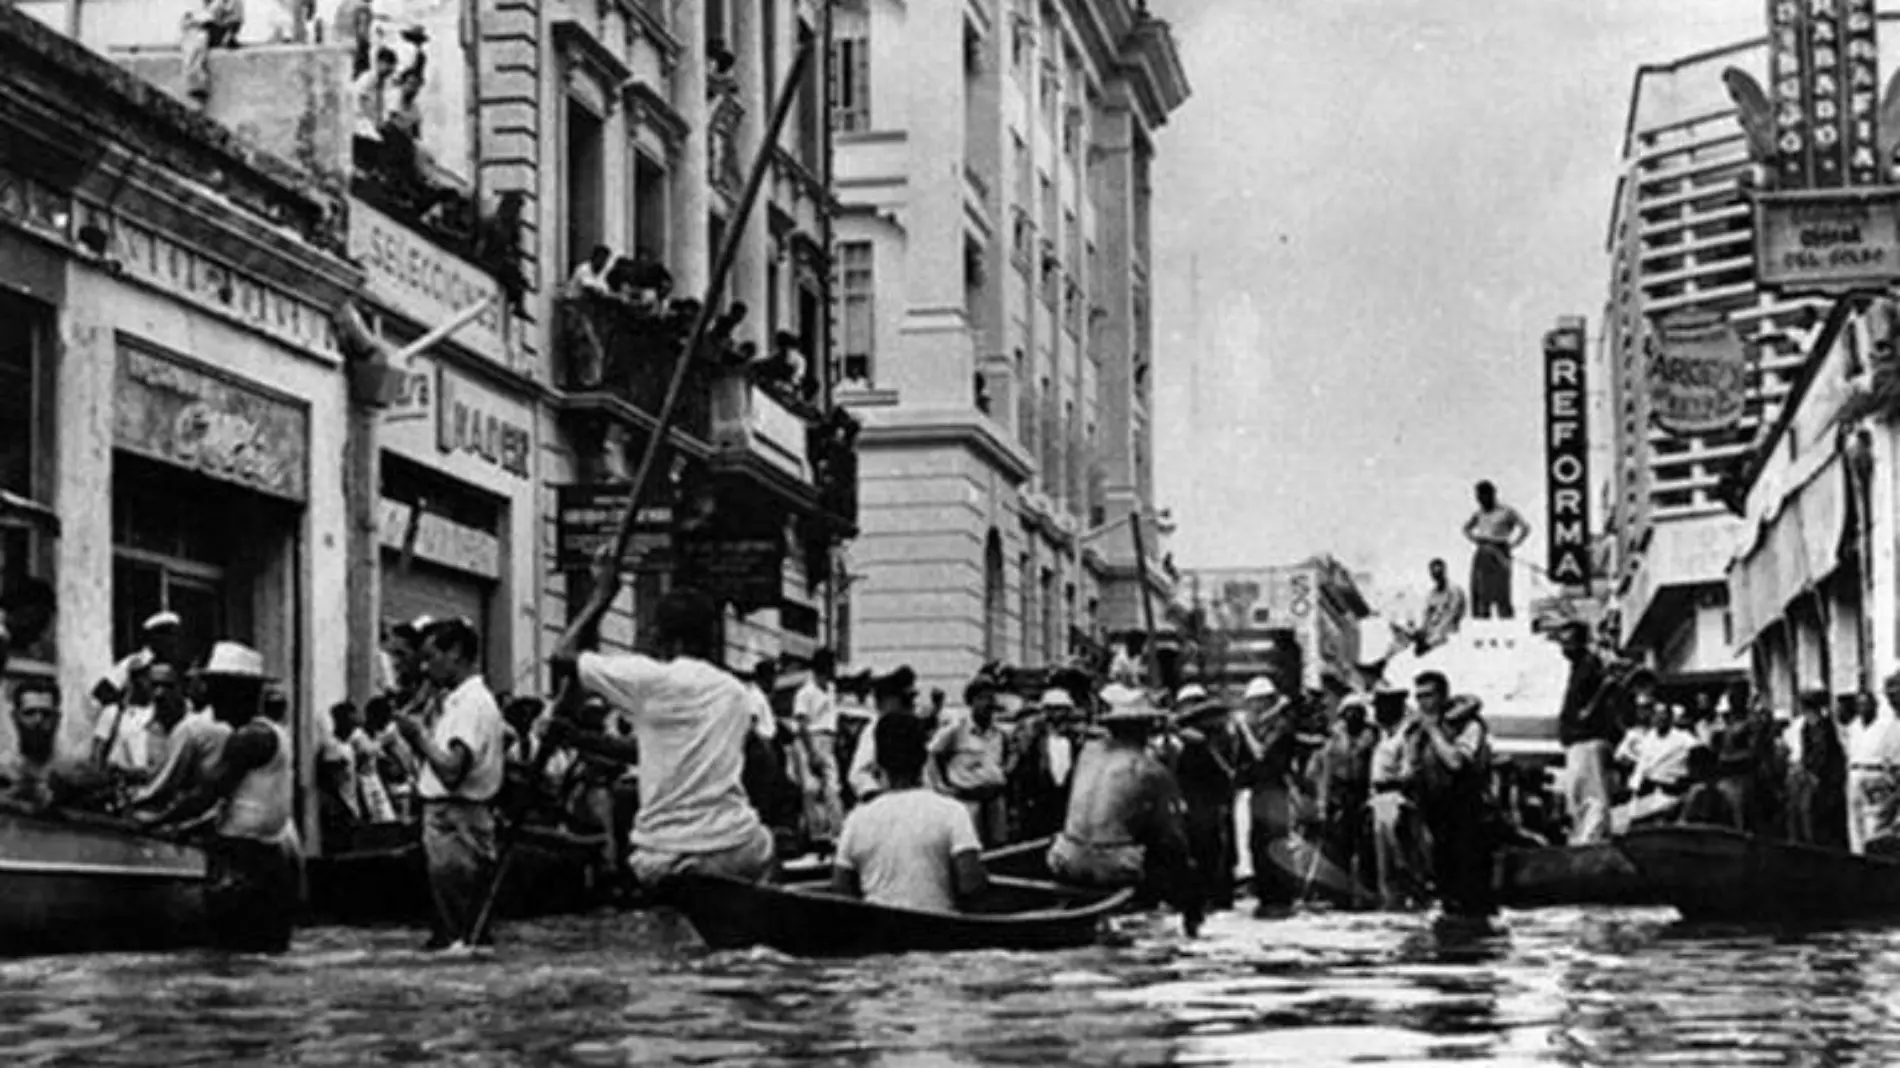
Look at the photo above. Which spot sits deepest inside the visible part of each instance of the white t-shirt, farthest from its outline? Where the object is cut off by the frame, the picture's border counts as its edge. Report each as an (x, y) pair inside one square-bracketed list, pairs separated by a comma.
[(130, 750), (469, 715), (816, 706), (759, 707), (1664, 759), (900, 845), (690, 720)]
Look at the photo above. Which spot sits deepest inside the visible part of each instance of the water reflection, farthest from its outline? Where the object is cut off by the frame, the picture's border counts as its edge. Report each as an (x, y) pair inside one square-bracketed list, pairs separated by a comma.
[(1556, 987)]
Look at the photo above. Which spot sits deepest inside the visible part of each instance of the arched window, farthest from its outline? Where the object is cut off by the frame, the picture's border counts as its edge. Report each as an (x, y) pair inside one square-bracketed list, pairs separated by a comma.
[(995, 607)]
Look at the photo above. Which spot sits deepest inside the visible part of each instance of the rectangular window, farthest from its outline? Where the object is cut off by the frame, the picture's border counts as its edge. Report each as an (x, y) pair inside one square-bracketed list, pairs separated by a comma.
[(851, 84), (650, 219), (1029, 623), (717, 23), (857, 312), (25, 546), (811, 110), (586, 175)]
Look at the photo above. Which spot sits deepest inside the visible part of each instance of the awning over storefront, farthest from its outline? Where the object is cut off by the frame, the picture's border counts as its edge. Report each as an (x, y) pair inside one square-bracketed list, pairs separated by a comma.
[(1795, 545)]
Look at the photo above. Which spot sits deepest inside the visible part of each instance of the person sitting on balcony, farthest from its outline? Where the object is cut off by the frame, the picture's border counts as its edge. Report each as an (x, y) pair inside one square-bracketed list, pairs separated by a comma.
[(214, 25), (590, 278)]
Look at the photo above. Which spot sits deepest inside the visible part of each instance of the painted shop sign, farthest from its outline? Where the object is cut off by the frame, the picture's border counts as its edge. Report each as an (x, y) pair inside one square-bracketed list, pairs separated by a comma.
[(1698, 372), (1824, 87), (1828, 242), (1566, 456), (440, 540), (169, 410), (411, 276), (470, 420), (587, 519)]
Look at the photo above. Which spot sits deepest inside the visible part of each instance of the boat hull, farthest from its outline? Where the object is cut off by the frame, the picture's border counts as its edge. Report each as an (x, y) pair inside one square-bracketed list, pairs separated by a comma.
[(77, 886), (1013, 915), (384, 879), (1713, 873), (1596, 874)]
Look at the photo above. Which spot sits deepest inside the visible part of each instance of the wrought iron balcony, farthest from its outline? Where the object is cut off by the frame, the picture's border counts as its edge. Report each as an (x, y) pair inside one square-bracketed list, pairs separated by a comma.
[(609, 348)]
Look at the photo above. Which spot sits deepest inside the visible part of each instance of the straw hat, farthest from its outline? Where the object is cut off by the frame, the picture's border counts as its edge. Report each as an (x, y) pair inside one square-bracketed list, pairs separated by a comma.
[(161, 620), (1128, 705), (234, 660), (1259, 687), (1056, 698)]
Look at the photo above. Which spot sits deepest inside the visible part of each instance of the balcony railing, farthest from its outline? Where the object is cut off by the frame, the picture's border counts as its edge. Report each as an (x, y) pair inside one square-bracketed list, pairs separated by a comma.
[(610, 347), (751, 418)]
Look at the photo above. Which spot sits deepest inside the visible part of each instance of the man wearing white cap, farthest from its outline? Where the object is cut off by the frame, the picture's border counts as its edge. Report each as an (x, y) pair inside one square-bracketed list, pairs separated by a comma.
[(1043, 758), (1272, 744), (158, 637), (1125, 824)]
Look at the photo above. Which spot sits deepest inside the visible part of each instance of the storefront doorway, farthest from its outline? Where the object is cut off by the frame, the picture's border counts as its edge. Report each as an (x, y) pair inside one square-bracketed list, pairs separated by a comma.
[(191, 545)]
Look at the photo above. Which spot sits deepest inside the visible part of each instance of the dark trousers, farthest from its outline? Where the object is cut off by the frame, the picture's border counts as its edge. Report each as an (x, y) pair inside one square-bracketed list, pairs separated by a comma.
[(1210, 833), (1490, 583), (253, 893), (1271, 809), (458, 842), (1461, 853), (1348, 834)]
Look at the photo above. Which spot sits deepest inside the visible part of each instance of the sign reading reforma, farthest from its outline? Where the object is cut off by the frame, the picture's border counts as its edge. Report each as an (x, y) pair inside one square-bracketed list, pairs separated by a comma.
[(1828, 242), (1566, 455), (482, 424), (1697, 370), (413, 277), (170, 410), (587, 519)]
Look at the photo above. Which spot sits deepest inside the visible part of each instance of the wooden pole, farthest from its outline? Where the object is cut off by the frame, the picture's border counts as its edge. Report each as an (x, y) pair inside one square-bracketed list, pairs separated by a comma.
[(722, 266)]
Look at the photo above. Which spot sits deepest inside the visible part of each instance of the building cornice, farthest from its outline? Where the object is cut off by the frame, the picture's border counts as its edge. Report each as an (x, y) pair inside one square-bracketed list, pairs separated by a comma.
[(646, 104), (970, 430)]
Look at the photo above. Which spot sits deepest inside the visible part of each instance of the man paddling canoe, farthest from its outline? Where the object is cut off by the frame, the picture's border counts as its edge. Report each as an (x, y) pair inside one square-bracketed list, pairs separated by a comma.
[(690, 719), (1126, 822)]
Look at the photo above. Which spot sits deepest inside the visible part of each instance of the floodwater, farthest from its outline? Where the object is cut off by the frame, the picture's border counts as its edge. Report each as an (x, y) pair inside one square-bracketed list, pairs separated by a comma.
[(1564, 987)]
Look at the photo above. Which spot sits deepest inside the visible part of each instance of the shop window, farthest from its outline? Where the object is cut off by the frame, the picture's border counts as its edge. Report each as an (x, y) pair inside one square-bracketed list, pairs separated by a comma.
[(586, 222)]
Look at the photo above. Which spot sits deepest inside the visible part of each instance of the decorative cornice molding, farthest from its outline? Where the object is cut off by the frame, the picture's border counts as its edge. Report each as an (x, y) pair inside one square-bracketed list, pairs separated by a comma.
[(647, 106), (971, 430), (586, 52)]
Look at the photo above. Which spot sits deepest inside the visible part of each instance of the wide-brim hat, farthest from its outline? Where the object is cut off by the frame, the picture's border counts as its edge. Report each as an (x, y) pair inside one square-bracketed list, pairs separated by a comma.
[(161, 620), (1128, 705), (234, 660), (1258, 687)]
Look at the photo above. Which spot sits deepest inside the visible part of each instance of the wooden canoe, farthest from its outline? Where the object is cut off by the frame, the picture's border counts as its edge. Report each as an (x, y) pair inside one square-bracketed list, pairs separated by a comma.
[(380, 877), (72, 883), (1015, 914), (1596, 874), (1715, 873)]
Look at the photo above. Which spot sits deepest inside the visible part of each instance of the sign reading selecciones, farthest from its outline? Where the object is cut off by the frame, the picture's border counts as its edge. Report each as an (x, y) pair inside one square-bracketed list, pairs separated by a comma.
[(587, 519), (1832, 242), (169, 410), (1566, 455), (416, 279), (1698, 372)]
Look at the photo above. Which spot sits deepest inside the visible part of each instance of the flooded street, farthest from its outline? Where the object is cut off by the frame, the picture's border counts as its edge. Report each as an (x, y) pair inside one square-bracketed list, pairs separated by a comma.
[(1555, 987)]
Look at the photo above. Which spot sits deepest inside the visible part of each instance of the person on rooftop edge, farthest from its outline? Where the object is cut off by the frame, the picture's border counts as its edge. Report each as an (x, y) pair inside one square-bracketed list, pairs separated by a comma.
[(690, 719), (909, 847)]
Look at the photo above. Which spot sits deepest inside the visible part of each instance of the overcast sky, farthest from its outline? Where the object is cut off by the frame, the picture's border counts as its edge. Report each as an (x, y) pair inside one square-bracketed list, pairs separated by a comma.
[(1386, 203)]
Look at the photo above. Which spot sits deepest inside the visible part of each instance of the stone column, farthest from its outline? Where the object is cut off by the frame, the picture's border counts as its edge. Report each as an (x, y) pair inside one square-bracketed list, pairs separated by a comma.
[(749, 280), (690, 196)]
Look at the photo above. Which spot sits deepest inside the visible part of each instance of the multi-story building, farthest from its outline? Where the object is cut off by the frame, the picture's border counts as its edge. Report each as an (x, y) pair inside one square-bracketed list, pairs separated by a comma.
[(507, 140), (1681, 237), (1296, 623), (993, 255)]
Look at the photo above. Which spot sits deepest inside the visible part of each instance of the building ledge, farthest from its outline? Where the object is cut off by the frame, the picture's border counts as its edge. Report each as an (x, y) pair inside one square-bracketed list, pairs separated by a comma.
[(623, 411), (969, 429)]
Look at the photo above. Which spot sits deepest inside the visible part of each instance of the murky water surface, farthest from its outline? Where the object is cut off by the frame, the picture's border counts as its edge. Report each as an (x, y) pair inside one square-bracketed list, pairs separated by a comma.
[(1578, 987)]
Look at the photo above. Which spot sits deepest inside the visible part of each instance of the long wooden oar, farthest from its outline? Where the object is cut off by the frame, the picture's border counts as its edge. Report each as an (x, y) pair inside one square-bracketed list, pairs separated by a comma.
[(689, 355)]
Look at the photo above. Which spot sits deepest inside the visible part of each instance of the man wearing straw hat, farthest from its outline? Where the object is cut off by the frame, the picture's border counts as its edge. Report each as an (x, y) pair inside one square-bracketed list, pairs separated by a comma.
[(254, 850), (1208, 768), (1126, 820)]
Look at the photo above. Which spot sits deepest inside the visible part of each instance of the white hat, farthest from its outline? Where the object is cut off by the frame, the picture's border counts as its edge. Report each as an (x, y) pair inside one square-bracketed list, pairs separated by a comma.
[(1127, 704), (161, 619), (1193, 691), (1056, 698), (235, 660), (1260, 686)]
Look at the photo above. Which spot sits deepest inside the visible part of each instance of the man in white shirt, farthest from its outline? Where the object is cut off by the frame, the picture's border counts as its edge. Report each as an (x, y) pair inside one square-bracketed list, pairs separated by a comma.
[(690, 719), (119, 732), (815, 706), (1875, 771), (910, 847), (461, 767)]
